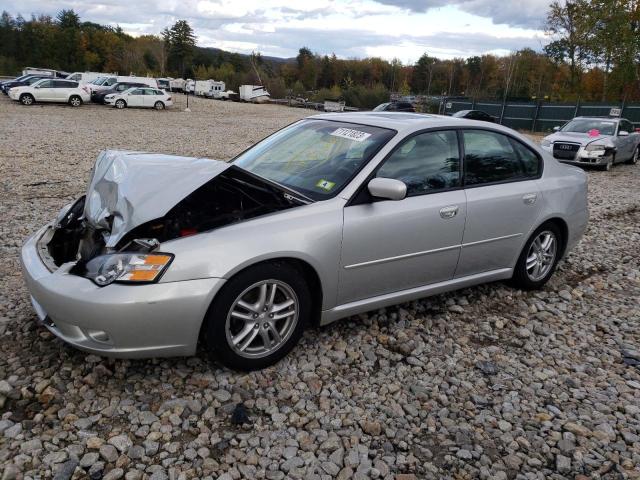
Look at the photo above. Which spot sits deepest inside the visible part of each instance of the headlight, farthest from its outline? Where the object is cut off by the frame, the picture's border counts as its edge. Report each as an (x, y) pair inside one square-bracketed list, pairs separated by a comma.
[(127, 268), (594, 147), (545, 143)]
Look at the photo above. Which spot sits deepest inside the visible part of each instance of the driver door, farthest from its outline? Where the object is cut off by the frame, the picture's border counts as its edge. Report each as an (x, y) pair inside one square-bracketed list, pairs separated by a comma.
[(44, 91), (389, 246)]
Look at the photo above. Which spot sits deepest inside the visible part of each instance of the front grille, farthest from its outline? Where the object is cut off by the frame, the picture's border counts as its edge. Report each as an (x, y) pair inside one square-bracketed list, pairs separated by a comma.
[(565, 151)]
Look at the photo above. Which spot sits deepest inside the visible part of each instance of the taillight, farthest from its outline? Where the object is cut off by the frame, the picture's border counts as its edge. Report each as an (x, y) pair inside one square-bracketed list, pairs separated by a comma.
[(169, 99), (187, 232)]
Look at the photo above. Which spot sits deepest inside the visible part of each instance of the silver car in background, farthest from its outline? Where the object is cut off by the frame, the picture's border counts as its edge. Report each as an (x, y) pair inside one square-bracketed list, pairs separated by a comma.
[(594, 141), (331, 216)]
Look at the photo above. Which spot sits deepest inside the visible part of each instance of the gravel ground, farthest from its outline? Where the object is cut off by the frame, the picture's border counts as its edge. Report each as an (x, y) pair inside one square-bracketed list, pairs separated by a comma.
[(488, 382)]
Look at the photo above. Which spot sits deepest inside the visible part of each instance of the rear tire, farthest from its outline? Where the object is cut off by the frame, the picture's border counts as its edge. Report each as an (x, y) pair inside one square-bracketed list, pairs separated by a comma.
[(634, 159), (258, 317), (75, 101), (538, 261), (120, 104), (27, 99), (159, 105)]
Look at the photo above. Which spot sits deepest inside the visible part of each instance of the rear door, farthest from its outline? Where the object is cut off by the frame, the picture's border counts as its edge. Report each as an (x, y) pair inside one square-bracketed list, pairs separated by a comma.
[(503, 200), (389, 246), (62, 89)]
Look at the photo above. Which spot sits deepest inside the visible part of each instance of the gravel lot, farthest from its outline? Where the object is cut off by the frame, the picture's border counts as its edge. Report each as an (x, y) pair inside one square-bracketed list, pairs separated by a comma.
[(488, 382)]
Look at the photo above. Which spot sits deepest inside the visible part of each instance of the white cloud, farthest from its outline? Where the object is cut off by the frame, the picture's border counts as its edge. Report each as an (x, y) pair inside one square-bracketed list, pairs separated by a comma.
[(350, 28)]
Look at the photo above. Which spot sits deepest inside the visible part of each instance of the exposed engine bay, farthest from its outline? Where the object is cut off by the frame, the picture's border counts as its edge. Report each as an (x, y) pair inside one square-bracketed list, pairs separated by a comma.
[(230, 197)]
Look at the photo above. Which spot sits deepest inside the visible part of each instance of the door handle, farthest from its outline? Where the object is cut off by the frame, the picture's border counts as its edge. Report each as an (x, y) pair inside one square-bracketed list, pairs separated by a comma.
[(449, 212), (530, 198)]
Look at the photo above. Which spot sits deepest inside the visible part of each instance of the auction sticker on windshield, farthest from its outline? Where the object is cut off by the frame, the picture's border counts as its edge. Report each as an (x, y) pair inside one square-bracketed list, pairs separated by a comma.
[(351, 134)]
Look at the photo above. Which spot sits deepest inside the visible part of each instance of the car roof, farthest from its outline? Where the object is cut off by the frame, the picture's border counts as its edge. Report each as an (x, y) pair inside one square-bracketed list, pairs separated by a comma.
[(406, 121)]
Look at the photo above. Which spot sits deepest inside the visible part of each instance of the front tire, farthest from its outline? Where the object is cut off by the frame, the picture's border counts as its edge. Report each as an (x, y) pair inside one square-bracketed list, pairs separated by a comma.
[(75, 101), (607, 166), (120, 104), (539, 258), (258, 317), (27, 99), (159, 106)]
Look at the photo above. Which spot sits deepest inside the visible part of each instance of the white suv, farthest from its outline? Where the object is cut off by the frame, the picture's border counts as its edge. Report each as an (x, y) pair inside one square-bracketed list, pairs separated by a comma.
[(51, 90)]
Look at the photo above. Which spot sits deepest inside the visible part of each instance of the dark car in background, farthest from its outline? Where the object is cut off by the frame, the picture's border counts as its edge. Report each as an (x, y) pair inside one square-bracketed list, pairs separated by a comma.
[(474, 115), (395, 107), (23, 81), (98, 96)]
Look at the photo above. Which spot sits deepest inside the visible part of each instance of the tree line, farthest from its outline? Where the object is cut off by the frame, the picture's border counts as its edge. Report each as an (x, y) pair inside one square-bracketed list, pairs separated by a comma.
[(593, 54)]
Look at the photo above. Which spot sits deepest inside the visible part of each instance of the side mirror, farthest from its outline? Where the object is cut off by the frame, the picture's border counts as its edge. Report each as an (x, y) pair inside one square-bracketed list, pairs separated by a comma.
[(387, 188), (623, 133), (556, 129)]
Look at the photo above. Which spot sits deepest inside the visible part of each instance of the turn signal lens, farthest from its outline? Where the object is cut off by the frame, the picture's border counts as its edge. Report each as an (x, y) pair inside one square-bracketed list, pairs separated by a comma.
[(127, 267)]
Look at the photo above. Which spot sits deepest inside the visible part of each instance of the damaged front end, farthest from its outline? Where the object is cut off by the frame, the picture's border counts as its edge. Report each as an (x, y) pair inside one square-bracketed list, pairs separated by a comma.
[(136, 201)]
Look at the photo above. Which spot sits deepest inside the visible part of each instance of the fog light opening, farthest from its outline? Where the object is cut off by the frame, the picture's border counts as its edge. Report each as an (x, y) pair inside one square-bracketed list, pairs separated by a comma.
[(99, 336)]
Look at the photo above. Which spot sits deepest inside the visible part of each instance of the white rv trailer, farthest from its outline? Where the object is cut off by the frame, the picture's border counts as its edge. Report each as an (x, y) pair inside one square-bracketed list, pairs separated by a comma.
[(86, 77), (334, 105), (216, 90), (254, 93), (44, 72), (164, 83), (177, 84)]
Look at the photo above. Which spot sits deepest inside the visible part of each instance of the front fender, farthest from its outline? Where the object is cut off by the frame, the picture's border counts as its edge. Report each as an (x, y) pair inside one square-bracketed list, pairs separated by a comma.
[(310, 233)]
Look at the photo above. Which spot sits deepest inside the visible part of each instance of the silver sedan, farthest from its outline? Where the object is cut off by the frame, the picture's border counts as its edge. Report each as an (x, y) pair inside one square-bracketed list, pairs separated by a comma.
[(594, 141), (334, 215)]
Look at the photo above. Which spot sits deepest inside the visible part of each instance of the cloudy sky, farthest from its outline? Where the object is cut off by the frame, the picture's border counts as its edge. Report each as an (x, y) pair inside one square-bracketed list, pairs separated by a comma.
[(402, 29)]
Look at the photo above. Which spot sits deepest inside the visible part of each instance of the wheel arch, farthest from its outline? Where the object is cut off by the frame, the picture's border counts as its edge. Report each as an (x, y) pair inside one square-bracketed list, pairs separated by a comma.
[(562, 226), (309, 273)]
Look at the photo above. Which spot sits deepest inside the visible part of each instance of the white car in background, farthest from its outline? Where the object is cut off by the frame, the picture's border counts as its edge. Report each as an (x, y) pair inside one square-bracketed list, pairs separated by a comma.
[(51, 90), (140, 97)]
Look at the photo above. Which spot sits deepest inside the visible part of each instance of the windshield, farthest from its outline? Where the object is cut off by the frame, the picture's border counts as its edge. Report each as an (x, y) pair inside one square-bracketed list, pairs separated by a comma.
[(315, 157), (461, 113), (381, 107), (586, 125), (32, 81)]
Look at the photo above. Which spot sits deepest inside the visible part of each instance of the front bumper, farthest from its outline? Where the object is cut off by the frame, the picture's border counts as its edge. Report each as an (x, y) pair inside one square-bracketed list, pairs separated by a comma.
[(584, 158), (127, 321)]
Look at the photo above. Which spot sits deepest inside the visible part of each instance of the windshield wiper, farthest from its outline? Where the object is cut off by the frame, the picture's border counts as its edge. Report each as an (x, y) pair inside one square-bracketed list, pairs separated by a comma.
[(286, 190)]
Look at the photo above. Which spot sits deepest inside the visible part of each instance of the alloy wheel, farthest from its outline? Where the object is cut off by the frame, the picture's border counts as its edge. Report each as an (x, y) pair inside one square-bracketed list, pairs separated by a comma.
[(541, 256), (159, 106), (27, 100), (120, 104), (75, 102), (262, 318)]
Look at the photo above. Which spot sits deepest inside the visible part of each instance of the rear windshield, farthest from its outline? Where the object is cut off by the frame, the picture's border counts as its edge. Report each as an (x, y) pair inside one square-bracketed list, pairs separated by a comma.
[(315, 157)]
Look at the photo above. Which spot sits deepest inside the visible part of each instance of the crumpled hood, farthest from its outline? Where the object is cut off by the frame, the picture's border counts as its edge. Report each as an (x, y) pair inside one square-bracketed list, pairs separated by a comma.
[(128, 189), (576, 137)]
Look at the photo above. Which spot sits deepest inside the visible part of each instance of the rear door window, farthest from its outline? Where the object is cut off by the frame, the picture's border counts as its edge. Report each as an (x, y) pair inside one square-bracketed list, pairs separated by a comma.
[(491, 157)]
